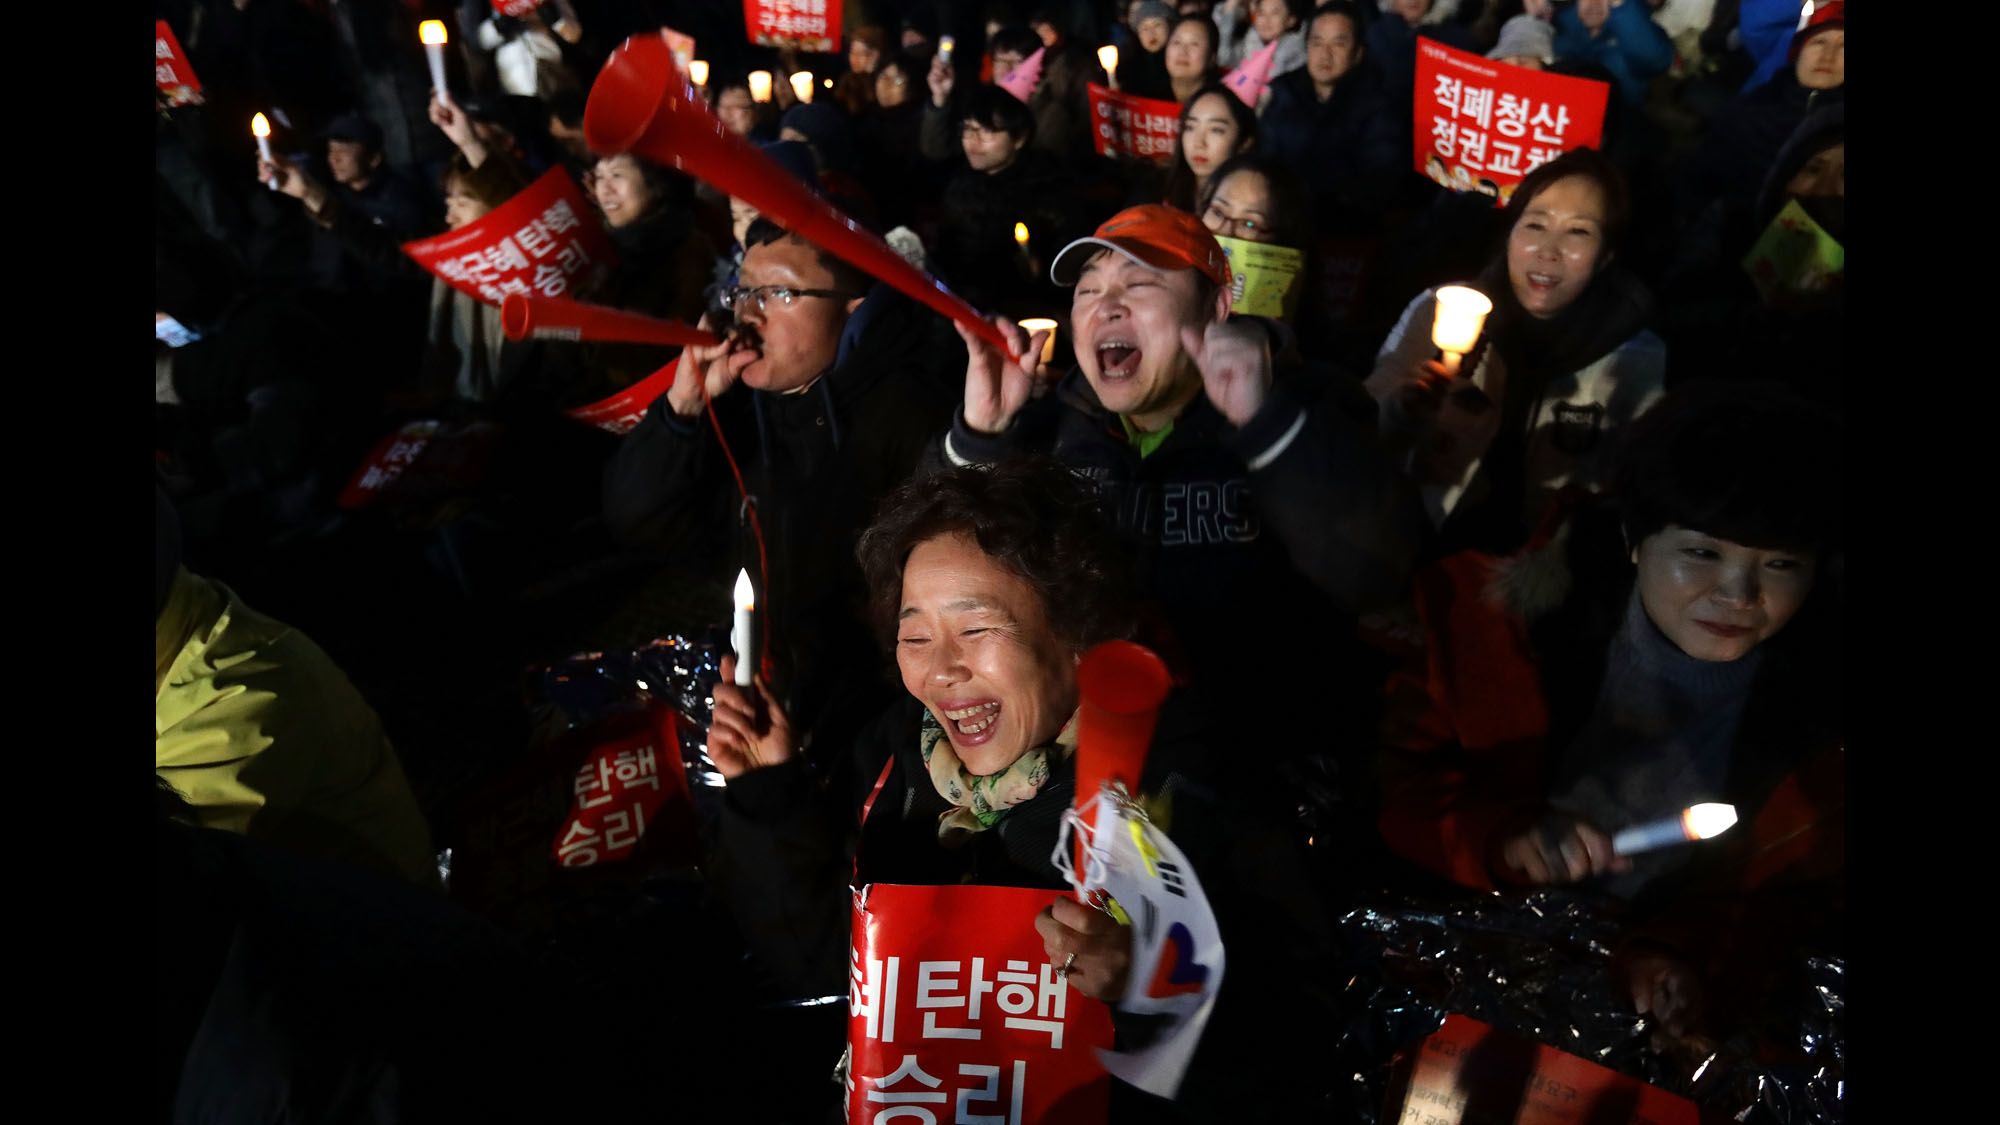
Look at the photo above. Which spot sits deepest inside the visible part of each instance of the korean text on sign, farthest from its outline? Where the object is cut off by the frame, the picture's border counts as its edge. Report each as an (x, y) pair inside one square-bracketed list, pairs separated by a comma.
[(619, 790), (171, 72), (956, 1015), (1484, 125), (545, 241), (813, 25), (1124, 125)]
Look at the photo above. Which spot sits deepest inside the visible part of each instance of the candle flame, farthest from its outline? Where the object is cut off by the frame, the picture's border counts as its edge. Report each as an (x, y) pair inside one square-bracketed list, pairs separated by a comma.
[(1704, 822), (431, 32), (1107, 57), (1021, 233), (760, 85), (698, 71), (1461, 315), (746, 597), (260, 126), (802, 85), (946, 44)]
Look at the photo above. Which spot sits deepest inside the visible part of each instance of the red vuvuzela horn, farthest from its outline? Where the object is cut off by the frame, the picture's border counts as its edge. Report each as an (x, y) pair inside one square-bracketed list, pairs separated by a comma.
[(553, 318), (641, 102), (1120, 686)]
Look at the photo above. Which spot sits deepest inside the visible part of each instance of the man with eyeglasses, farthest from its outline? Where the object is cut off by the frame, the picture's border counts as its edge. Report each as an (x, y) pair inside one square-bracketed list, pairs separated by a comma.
[(828, 387), (1332, 121)]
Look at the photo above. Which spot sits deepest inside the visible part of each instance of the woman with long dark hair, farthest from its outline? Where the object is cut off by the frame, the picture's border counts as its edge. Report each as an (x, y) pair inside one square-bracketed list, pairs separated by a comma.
[(1215, 126)]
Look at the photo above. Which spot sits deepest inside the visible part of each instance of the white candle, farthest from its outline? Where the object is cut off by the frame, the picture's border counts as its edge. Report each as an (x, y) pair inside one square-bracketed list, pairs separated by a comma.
[(260, 127), (802, 86), (740, 637), (760, 85), (1107, 57), (698, 72), (945, 45), (433, 36), (1696, 822), (1040, 324), (1461, 316)]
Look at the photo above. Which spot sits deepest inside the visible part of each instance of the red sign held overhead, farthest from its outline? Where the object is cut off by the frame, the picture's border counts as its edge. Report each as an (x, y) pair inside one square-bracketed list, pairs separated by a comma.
[(1483, 125), (546, 241), (809, 25), (1128, 125), (955, 1014), (171, 71)]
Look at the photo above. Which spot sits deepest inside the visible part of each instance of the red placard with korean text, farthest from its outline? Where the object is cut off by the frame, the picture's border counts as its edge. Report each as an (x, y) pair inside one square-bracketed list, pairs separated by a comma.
[(1126, 125), (619, 413), (955, 1014), (171, 70), (386, 462), (1468, 1071), (810, 25), (1482, 125), (631, 785), (545, 241)]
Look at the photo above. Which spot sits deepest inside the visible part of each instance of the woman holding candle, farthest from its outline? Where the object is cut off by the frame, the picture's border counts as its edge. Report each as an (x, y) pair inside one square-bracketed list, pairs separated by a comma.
[(1564, 363), (988, 585), (1675, 646)]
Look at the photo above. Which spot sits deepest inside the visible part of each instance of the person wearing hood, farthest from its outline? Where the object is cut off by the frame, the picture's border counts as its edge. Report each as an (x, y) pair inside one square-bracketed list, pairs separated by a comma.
[(1618, 35), (1330, 122), (1526, 40), (825, 390), (1564, 363)]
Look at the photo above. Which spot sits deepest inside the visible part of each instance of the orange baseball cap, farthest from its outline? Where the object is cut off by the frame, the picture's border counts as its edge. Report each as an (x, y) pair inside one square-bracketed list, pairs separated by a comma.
[(1151, 234)]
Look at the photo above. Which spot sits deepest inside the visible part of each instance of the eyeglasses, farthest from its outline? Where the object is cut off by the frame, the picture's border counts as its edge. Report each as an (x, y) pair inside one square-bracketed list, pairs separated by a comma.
[(1223, 219), (763, 295)]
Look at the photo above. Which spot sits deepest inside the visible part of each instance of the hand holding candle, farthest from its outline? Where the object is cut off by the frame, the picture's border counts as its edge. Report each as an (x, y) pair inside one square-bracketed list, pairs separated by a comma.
[(1107, 57), (1461, 316), (433, 35), (802, 86), (1043, 324), (1696, 822), (741, 636), (945, 45)]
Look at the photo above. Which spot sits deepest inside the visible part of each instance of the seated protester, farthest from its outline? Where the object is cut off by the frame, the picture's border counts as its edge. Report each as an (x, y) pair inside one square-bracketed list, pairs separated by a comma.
[(663, 261), (1255, 198), (1392, 43), (855, 90), (1191, 54), (888, 137), (1142, 70), (1527, 40), (1004, 182), (1061, 102), (738, 112), (1216, 126), (1599, 681), (1269, 21), (830, 134), (1241, 493), (795, 157), (565, 127), (1329, 121), (1009, 47), (262, 733), (1620, 37), (843, 382), (989, 585), (1564, 364), (1723, 175), (364, 183)]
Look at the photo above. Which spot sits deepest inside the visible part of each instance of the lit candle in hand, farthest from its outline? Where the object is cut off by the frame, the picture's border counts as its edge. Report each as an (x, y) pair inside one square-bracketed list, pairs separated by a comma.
[(760, 85), (1107, 57), (260, 127), (802, 86), (945, 45), (1041, 324), (698, 73), (740, 637), (1461, 316), (433, 36), (1696, 822)]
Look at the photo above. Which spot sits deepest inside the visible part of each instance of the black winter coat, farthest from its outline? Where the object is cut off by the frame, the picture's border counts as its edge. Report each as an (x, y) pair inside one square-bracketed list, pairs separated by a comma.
[(1350, 149)]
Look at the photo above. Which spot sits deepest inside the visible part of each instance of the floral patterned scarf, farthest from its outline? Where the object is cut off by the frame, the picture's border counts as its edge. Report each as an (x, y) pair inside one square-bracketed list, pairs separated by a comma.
[(978, 802)]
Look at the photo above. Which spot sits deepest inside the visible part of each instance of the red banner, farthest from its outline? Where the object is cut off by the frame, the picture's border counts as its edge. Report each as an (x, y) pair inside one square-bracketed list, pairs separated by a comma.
[(810, 25), (386, 462), (546, 240), (955, 1014), (1126, 125), (1483, 125), (621, 412), (632, 774), (515, 8), (171, 70), (1472, 1071)]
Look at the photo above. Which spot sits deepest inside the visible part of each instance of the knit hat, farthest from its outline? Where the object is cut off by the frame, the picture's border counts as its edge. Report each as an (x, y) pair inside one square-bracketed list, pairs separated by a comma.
[(1250, 77), (1524, 36), (1021, 80), (1825, 15)]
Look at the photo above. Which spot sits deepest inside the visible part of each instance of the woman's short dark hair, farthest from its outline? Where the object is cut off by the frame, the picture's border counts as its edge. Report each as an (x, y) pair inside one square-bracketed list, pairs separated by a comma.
[(1032, 516), (1214, 37), (1593, 165), (1753, 463), (1290, 217), (990, 107)]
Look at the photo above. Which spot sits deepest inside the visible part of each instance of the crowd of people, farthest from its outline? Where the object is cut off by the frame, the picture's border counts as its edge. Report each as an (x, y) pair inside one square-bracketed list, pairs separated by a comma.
[(1440, 622)]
